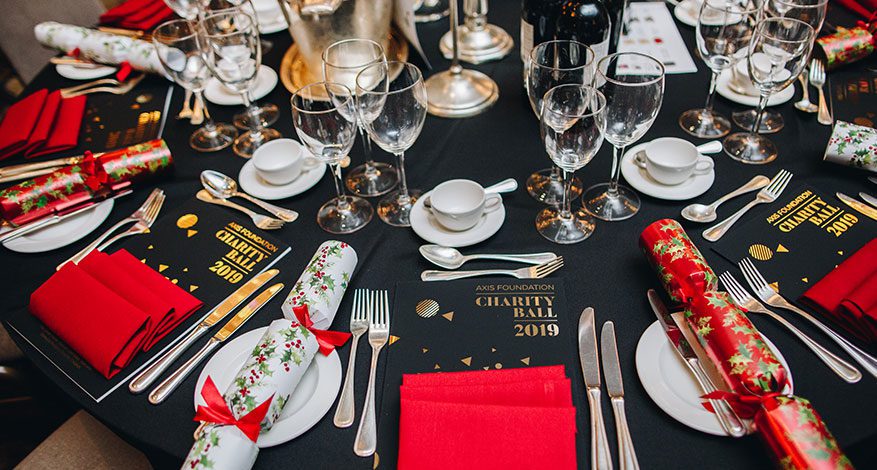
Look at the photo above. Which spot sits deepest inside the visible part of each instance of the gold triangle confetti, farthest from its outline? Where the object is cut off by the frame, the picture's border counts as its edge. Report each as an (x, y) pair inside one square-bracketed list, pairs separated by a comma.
[(425, 350), (190, 232), (782, 249), (486, 367), (150, 247), (492, 349), (467, 360), (840, 252), (143, 260), (526, 360), (162, 267), (147, 231), (192, 288), (775, 286), (175, 281), (377, 462), (449, 316), (393, 339), (437, 366), (805, 279), (185, 270)]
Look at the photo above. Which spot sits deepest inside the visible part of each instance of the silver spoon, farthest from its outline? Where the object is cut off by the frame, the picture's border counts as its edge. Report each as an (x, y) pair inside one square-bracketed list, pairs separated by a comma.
[(804, 104), (704, 213), (224, 187), (451, 258), (505, 186)]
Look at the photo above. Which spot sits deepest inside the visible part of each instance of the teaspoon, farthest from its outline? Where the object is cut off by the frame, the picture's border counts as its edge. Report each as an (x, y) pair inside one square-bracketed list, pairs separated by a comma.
[(704, 213), (451, 258), (224, 187)]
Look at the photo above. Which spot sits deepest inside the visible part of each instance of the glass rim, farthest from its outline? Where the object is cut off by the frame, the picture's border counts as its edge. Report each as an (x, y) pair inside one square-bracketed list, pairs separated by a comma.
[(387, 65), (324, 84), (228, 12), (616, 55), (349, 40), (192, 24), (818, 4), (759, 29), (594, 90), (728, 7), (532, 62)]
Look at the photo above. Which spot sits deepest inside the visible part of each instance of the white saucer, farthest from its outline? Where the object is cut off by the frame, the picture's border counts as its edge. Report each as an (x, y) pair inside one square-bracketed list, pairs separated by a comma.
[(268, 15), (216, 93), (748, 100), (83, 73), (669, 382), (640, 180), (426, 227), (687, 13), (311, 400), (62, 233), (256, 187)]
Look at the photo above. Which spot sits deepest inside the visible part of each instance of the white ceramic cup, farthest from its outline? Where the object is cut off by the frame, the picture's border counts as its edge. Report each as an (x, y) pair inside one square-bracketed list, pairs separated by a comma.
[(459, 204), (281, 161), (671, 161)]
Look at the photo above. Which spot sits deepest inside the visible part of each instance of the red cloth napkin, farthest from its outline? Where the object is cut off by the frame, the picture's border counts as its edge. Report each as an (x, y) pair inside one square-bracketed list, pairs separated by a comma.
[(493, 376), (19, 122), (534, 393), (848, 294), (63, 132), (137, 14)]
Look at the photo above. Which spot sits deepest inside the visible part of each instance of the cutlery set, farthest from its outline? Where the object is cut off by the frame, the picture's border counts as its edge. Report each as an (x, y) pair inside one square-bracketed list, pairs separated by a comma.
[(103, 85), (869, 209), (767, 194), (219, 188), (25, 171), (451, 258)]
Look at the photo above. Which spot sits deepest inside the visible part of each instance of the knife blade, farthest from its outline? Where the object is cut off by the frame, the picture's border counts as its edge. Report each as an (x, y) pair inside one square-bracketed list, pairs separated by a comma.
[(868, 198), (615, 387), (220, 311), (601, 458), (873, 179), (859, 206), (729, 420), (173, 381)]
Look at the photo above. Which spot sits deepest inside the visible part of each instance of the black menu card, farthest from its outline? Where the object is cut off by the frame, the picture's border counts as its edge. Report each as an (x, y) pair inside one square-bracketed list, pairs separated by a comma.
[(114, 121)]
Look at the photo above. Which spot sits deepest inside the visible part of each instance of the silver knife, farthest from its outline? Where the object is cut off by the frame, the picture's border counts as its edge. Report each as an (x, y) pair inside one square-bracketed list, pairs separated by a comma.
[(615, 388), (601, 458), (868, 198), (170, 384), (233, 301), (873, 179), (859, 206), (729, 420)]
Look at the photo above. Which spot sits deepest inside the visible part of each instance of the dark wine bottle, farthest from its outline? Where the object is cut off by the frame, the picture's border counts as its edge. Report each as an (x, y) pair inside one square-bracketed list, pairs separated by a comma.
[(586, 21), (616, 15), (538, 19)]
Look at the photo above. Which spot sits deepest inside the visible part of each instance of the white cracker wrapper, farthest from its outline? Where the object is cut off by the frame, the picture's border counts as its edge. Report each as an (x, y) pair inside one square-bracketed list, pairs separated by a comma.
[(322, 284), (852, 145), (98, 46), (221, 448)]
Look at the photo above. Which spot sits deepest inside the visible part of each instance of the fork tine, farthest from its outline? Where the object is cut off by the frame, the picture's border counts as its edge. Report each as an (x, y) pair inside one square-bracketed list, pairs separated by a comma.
[(750, 278), (549, 268), (762, 281), (354, 312), (738, 294), (387, 308), (781, 184)]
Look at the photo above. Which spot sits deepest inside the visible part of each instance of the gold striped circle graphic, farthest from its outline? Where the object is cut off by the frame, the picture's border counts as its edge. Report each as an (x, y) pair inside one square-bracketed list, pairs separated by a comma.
[(760, 252), (427, 308)]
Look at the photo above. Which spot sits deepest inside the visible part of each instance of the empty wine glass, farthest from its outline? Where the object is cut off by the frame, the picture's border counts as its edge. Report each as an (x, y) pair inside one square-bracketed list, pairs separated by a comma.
[(550, 64), (234, 55), (393, 111), (178, 47), (342, 61), (188, 9), (572, 127), (327, 128), (784, 45), (633, 85), (724, 29)]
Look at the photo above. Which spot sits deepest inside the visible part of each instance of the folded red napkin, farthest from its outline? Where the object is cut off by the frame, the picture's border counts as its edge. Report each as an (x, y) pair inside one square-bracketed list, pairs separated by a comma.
[(848, 294), (534, 393), (19, 122), (137, 14), (41, 123), (493, 376)]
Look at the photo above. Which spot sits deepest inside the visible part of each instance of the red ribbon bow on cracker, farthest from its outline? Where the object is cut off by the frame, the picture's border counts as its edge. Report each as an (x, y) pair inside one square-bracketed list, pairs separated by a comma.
[(93, 171), (217, 412), (327, 340), (746, 406)]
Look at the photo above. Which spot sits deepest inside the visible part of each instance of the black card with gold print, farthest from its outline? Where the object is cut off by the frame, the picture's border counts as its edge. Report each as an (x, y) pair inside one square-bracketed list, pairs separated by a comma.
[(798, 239), (472, 325)]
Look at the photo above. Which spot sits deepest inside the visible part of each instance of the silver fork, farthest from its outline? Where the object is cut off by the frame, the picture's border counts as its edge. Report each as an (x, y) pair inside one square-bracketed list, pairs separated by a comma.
[(817, 79), (359, 319), (115, 90), (533, 272), (141, 226), (767, 194), (378, 335), (742, 298), (262, 221), (771, 297)]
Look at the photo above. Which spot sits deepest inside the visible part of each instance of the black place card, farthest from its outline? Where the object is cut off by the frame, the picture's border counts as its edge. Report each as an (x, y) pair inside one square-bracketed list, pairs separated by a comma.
[(853, 95), (114, 121)]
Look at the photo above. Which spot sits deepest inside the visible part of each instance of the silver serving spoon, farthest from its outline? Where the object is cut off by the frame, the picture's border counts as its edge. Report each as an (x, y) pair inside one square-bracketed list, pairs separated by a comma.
[(451, 258), (704, 213), (224, 187), (505, 186)]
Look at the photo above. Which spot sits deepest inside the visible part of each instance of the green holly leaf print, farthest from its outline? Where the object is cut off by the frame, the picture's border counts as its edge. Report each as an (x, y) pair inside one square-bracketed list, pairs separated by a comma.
[(330, 282), (818, 454)]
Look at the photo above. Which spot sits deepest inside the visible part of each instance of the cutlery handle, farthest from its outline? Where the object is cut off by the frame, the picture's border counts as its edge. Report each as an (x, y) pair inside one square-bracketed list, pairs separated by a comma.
[(433, 275), (626, 452), (716, 232), (346, 411), (601, 458), (840, 367), (173, 381), (231, 205), (805, 93), (535, 258), (824, 117), (504, 186), (95, 244), (127, 233), (729, 420), (366, 436), (197, 116), (25, 229), (866, 360), (145, 378), (757, 182), (284, 214)]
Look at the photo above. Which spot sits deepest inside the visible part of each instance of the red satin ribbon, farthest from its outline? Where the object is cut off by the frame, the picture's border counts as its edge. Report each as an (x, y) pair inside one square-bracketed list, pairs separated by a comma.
[(217, 412), (124, 71), (93, 171), (746, 406), (327, 340)]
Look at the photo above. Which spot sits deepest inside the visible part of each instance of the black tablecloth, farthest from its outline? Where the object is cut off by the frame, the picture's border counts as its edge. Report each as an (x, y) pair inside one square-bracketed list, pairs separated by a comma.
[(606, 271)]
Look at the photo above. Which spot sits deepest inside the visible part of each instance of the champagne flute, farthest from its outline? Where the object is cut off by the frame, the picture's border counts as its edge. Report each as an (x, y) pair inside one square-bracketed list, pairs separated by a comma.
[(550, 64), (633, 85), (393, 112), (784, 45), (327, 128), (342, 61), (572, 125)]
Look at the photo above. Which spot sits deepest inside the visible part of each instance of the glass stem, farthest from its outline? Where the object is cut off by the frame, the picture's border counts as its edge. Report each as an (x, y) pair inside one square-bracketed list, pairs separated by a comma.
[(565, 211), (555, 173), (367, 148), (255, 123), (404, 198), (343, 203), (617, 152), (208, 123), (759, 111), (712, 93)]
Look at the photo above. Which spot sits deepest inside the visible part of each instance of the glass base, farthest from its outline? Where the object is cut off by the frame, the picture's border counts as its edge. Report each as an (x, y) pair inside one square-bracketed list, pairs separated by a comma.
[(771, 121), (395, 209), (610, 207), (704, 123), (247, 143), (220, 137), (354, 214), (547, 187), (561, 230), (370, 180), (268, 114), (749, 148)]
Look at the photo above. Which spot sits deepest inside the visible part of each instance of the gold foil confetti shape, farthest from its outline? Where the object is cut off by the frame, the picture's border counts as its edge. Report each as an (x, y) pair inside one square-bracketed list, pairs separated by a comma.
[(449, 316), (393, 339), (187, 221), (760, 252), (782, 249), (526, 361), (467, 360), (427, 308)]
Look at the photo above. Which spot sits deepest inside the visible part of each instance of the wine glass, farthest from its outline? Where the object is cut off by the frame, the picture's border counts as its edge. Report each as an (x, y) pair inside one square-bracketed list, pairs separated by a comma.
[(811, 12), (393, 111), (784, 46), (234, 55), (342, 61), (178, 47), (633, 85), (723, 32), (188, 9), (550, 64), (572, 126), (327, 128)]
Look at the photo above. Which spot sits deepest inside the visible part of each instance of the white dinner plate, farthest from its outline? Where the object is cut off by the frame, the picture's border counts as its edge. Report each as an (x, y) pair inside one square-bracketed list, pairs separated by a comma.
[(216, 93), (669, 383), (255, 186), (311, 400), (686, 12), (63, 233), (83, 73), (427, 227), (639, 179), (723, 89)]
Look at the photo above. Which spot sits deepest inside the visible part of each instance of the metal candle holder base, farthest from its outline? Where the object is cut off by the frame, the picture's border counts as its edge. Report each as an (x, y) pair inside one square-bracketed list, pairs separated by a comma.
[(430, 10), (478, 45)]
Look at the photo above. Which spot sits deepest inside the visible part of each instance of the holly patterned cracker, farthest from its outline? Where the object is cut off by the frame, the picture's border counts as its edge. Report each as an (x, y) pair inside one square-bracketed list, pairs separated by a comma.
[(322, 284)]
